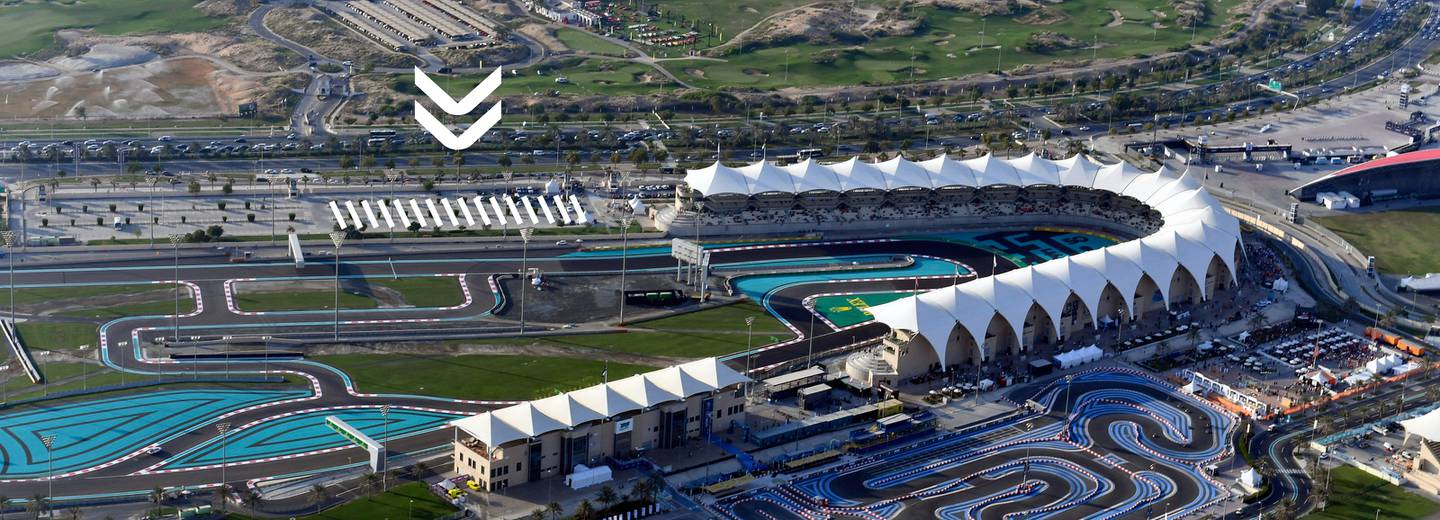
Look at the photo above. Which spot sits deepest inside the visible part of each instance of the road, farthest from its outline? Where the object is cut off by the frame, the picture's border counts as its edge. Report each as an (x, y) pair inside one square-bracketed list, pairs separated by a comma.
[(211, 277)]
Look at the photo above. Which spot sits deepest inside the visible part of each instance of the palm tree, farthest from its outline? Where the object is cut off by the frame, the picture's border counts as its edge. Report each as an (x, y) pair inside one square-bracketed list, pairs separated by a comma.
[(36, 504), (250, 499), (157, 496), (538, 514), (640, 490), (584, 511), (371, 481), (554, 509), (421, 470), (318, 496), (607, 496)]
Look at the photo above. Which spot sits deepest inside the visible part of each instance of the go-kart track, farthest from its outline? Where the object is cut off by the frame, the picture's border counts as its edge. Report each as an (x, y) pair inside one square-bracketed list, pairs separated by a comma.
[(109, 445), (1108, 443)]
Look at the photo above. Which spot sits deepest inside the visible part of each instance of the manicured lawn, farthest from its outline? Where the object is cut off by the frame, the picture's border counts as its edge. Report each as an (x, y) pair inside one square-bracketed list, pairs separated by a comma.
[(1356, 494), (38, 335), (30, 26), (29, 295), (438, 291), (409, 500), (711, 332), (498, 377), (585, 42), (300, 301), (1402, 241), (163, 307), (431, 291), (90, 376), (586, 77), (949, 43)]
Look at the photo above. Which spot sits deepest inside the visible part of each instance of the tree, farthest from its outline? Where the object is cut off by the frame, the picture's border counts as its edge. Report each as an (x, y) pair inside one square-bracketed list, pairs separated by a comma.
[(318, 496), (638, 156), (505, 161), (157, 497), (371, 482), (347, 162), (214, 231), (228, 188), (607, 496), (538, 514), (193, 187), (584, 511), (554, 509)]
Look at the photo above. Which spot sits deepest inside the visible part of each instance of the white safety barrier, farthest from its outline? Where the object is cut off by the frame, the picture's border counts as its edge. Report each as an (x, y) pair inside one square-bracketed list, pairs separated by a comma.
[(499, 213), (354, 215), (480, 206), (514, 211), (339, 218), (529, 209), (579, 212), (450, 212), (564, 213), (385, 212), (26, 363), (400, 210), (465, 210), (434, 213), (370, 214), (419, 215), (545, 206)]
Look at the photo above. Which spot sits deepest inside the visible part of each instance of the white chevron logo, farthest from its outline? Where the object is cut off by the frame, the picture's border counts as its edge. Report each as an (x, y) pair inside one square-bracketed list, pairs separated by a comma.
[(464, 106)]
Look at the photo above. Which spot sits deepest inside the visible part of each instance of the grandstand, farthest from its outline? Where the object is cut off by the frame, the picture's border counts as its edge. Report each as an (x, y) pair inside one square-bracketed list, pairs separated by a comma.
[(1186, 247)]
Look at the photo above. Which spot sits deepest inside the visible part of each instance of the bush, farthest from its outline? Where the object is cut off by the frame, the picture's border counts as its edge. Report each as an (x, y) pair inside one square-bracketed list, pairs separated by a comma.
[(249, 217), (99, 221), (44, 222), (112, 208), (292, 217), (140, 206), (183, 218), (220, 205)]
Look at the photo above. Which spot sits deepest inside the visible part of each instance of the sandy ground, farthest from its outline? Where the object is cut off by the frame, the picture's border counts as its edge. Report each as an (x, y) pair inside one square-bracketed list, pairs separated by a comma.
[(170, 88)]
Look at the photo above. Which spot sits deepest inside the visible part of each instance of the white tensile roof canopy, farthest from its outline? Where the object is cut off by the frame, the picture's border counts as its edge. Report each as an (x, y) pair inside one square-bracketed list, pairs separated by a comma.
[(1196, 229), (599, 402)]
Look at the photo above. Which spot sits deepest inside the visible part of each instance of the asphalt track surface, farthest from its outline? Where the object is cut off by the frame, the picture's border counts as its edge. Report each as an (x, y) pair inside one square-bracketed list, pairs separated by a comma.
[(133, 470), (1114, 444)]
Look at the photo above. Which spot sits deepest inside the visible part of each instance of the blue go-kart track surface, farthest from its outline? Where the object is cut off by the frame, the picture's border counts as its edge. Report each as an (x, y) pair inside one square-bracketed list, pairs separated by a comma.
[(306, 432), (94, 432), (1112, 443)]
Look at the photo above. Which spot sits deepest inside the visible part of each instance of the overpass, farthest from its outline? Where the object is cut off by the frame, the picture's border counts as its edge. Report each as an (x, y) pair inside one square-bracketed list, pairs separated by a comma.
[(1200, 151)]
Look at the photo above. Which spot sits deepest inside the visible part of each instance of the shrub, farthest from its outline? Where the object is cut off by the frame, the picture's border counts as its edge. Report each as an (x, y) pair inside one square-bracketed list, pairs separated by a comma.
[(249, 217)]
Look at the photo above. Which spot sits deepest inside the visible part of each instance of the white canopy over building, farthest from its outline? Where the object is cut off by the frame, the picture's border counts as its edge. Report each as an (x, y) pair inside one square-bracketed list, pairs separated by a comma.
[(1193, 250), (600, 402)]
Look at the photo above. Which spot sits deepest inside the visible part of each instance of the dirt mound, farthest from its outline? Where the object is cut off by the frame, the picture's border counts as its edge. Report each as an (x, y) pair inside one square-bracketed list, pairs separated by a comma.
[(105, 56), (225, 7), (1049, 41), (811, 24), (988, 7), (1043, 16)]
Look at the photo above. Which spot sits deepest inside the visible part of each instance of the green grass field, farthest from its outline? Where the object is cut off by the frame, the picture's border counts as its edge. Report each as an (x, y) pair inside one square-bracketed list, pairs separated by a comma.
[(90, 376), (711, 332), (950, 45), (37, 335), (30, 26), (30, 295), (583, 41), (475, 376), (1402, 241), (1356, 494), (586, 77), (410, 500), (442, 291)]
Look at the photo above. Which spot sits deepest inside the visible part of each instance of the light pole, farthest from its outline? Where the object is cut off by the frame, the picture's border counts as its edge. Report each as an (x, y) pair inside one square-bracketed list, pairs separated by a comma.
[(9, 237), (49, 442), (749, 330), (624, 249), (175, 240), (384, 446), (337, 238), (525, 234), (224, 427)]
